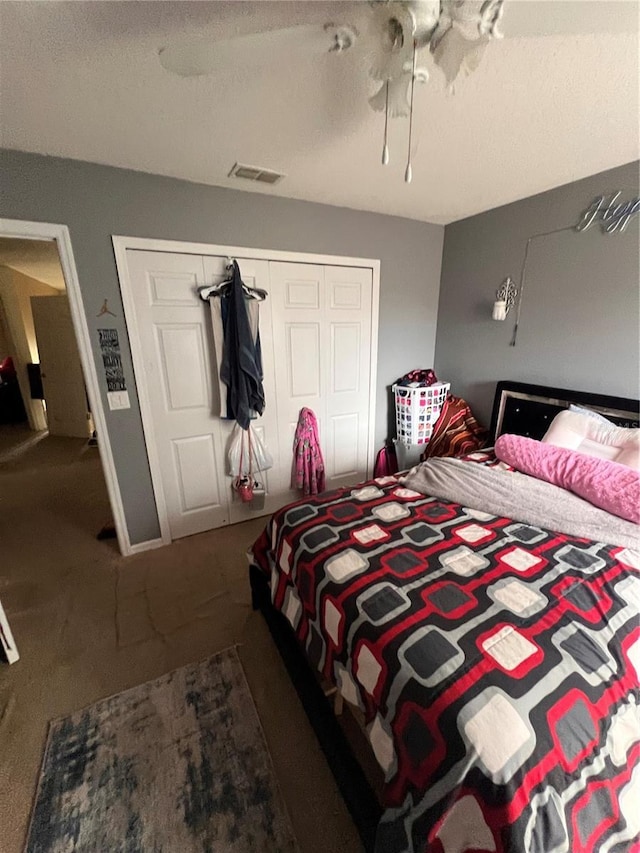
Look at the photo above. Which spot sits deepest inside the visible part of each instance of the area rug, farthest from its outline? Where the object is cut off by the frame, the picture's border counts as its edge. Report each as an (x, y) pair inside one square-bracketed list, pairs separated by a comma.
[(177, 765)]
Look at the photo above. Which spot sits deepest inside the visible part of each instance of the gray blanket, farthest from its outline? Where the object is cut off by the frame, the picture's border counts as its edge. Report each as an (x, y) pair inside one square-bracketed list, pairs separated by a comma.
[(520, 497)]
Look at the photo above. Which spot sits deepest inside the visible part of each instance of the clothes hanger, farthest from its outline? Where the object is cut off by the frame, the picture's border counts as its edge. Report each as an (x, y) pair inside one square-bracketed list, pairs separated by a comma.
[(256, 293), (206, 292)]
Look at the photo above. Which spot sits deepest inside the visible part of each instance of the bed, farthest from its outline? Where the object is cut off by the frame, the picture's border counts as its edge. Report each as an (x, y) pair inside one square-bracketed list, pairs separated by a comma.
[(494, 662)]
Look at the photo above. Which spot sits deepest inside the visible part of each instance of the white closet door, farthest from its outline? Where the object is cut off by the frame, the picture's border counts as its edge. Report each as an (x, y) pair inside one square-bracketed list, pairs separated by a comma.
[(175, 332), (297, 293), (254, 274), (322, 340), (315, 330), (347, 359)]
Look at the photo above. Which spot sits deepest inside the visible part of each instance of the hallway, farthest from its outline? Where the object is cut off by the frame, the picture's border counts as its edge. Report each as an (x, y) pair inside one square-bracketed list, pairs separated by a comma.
[(15, 439)]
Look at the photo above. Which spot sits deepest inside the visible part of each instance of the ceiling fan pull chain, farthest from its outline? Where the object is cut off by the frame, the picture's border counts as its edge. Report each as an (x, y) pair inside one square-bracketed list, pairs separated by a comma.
[(385, 147), (408, 174)]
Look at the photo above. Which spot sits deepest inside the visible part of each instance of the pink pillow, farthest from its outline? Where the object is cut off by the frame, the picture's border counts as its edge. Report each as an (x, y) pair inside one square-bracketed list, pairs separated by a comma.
[(605, 484), (595, 437)]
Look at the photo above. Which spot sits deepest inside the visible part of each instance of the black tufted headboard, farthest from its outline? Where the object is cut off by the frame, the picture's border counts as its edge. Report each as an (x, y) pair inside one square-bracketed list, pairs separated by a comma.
[(529, 409)]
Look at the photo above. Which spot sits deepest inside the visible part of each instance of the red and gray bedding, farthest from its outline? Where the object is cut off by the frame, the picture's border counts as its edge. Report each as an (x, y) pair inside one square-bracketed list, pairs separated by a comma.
[(497, 664)]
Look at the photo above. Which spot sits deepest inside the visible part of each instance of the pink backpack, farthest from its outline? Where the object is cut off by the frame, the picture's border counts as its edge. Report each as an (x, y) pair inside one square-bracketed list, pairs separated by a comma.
[(386, 462)]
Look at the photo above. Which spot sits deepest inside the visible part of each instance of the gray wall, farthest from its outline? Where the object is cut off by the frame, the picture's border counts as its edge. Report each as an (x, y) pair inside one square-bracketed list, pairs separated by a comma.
[(98, 201), (580, 312)]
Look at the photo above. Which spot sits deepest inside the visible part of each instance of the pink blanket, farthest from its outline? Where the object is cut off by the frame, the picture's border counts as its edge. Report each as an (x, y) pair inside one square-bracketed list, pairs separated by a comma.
[(605, 484)]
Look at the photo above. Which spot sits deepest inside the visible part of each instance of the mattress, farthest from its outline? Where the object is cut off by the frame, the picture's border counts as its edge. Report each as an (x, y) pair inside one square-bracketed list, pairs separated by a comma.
[(496, 665)]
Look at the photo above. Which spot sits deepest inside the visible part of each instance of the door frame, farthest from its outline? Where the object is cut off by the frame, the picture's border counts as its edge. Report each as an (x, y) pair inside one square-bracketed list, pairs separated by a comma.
[(146, 244), (25, 230)]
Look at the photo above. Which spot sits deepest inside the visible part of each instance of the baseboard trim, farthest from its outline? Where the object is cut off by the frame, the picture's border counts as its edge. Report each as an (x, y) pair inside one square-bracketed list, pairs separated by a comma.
[(149, 545)]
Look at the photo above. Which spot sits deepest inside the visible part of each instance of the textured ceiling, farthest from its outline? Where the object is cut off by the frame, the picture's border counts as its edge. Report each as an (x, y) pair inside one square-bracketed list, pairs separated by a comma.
[(35, 258), (83, 80)]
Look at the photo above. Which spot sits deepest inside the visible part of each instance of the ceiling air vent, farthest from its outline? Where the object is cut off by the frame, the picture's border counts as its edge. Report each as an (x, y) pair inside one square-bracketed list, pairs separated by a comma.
[(255, 173)]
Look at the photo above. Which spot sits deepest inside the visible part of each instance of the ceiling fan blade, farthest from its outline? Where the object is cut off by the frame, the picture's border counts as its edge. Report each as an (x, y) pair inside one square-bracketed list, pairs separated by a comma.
[(199, 56), (566, 17)]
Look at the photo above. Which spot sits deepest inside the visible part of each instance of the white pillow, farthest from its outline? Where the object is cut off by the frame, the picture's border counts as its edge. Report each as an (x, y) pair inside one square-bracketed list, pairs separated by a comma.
[(590, 413), (595, 437)]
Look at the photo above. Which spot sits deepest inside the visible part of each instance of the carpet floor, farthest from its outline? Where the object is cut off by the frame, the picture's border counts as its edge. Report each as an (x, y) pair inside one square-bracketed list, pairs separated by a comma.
[(178, 763), (89, 623)]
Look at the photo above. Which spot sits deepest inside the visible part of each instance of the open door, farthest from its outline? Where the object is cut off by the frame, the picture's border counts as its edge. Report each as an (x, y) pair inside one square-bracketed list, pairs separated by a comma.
[(62, 380)]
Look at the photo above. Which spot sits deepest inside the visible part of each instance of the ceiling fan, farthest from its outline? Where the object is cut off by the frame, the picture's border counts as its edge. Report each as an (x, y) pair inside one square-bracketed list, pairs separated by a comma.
[(384, 31), (393, 37)]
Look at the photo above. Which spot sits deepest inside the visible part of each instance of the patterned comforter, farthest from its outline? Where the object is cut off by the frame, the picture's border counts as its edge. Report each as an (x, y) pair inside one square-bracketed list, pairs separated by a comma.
[(497, 665)]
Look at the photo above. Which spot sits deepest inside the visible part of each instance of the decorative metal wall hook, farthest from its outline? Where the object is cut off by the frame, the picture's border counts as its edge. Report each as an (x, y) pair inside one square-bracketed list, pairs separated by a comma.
[(505, 299)]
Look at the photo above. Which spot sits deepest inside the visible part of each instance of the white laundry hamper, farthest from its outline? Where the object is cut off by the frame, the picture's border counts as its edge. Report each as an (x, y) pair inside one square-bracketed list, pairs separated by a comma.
[(417, 410)]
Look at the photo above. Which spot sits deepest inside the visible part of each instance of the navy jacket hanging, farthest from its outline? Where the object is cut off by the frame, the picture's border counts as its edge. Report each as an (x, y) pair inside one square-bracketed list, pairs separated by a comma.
[(241, 368)]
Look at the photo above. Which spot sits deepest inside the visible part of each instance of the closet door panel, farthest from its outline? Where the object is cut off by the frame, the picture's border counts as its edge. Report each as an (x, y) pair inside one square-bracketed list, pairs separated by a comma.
[(196, 465), (302, 292), (322, 331), (348, 323), (344, 369), (175, 332), (297, 292), (344, 446), (172, 288), (255, 273), (303, 359), (181, 353)]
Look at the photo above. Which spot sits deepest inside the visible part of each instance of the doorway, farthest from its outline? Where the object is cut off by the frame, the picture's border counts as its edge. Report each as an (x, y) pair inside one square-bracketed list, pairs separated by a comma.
[(55, 468), (48, 447), (42, 386)]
